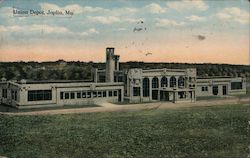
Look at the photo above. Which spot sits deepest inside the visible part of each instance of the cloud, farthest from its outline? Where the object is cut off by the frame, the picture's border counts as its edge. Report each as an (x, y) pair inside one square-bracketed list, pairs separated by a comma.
[(45, 29), (121, 11), (104, 19), (77, 9), (188, 5), (155, 8), (168, 22), (130, 10), (34, 28), (6, 12), (119, 29), (196, 18), (89, 32), (234, 14), (132, 20), (112, 19), (93, 9), (49, 29), (3, 29)]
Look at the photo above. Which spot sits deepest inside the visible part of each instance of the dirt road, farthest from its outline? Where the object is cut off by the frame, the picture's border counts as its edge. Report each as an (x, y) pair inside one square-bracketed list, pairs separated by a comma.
[(133, 107)]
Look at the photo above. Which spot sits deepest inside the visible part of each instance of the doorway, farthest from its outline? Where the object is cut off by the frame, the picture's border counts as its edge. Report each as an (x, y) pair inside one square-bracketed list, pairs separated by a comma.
[(119, 95), (224, 90), (164, 96), (154, 94)]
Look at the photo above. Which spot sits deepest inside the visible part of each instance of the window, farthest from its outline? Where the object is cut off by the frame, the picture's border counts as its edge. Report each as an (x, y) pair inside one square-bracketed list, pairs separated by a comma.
[(236, 85), (83, 94), (89, 95), (136, 91), (110, 94), (99, 94), (172, 81), (116, 65), (115, 78), (72, 95), (120, 78), (164, 82), (181, 82), (67, 95), (204, 88), (104, 93), (38, 95), (190, 79), (13, 94), (215, 90), (102, 78), (78, 94), (4, 93), (155, 82), (61, 95), (115, 93), (145, 87), (94, 94)]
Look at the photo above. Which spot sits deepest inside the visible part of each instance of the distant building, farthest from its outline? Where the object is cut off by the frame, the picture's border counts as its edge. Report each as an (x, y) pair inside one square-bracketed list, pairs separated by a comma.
[(113, 85)]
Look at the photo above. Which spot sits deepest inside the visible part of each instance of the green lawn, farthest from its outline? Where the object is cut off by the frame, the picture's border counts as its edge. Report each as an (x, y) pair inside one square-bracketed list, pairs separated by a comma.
[(218, 131), (6, 108)]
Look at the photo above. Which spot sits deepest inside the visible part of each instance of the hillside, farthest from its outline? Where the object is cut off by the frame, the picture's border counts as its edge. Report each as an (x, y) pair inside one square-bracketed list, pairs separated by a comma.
[(62, 70)]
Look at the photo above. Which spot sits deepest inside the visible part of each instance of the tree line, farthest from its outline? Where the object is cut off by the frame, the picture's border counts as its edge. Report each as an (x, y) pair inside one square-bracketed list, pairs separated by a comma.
[(76, 70)]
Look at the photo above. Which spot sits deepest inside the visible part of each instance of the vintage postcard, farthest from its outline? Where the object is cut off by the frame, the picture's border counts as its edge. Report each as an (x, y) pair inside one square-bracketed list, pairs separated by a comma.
[(125, 78)]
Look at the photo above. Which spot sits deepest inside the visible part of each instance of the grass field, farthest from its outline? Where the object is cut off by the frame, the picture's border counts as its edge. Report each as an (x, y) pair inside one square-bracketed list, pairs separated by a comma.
[(217, 131), (6, 108)]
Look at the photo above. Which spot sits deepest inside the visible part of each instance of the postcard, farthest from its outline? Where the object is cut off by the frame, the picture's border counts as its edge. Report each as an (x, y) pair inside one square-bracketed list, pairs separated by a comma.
[(124, 78)]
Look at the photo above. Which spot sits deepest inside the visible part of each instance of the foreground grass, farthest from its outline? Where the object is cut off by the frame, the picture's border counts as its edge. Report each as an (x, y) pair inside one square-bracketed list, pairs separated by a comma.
[(221, 131), (6, 108)]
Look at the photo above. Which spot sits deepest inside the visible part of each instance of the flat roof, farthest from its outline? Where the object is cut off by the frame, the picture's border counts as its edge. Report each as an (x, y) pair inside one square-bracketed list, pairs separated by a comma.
[(215, 77), (54, 81)]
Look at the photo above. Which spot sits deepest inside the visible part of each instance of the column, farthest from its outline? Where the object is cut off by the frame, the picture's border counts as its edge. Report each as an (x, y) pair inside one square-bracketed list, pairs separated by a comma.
[(159, 85), (168, 81), (150, 88), (173, 97), (96, 77), (131, 91), (122, 95), (177, 84), (176, 96), (23, 95), (194, 96), (141, 90)]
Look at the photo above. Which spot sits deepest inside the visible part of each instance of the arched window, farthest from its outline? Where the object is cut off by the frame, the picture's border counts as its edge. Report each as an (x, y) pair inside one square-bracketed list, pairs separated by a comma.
[(145, 86), (181, 81), (164, 82), (172, 81), (155, 82)]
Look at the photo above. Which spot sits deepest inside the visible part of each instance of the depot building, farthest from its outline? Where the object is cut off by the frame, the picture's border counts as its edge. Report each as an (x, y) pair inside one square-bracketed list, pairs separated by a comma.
[(116, 86)]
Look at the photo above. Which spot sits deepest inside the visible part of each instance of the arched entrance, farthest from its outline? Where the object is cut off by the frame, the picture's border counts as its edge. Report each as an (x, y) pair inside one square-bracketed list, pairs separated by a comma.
[(145, 87)]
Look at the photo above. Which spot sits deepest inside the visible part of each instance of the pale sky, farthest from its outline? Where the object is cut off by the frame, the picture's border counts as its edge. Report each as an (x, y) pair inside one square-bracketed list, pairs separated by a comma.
[(169, 31)]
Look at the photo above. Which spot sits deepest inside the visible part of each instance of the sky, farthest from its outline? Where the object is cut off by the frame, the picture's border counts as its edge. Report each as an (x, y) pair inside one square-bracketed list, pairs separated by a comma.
[(197, 31)]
